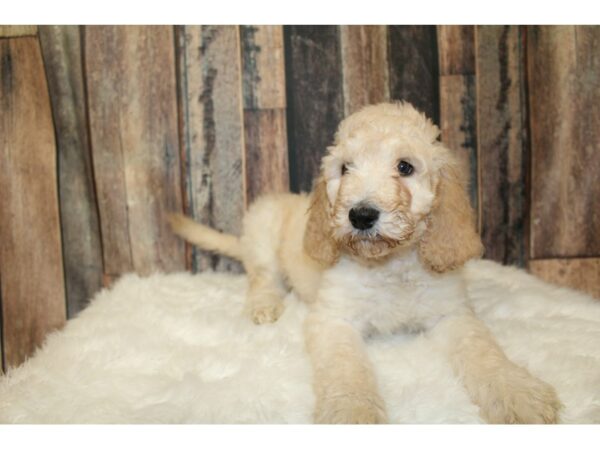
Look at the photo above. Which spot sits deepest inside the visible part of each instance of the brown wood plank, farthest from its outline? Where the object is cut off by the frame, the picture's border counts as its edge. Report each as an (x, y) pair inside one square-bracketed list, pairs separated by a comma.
[(266, 152), (132, 99), (31, 266), (364, 65), (314, 95), (263, 89), (502, 153), (263, 66), (458, 99), (582, 274), (18, 30), (414, 67), (456, 45), (212, 127), (458, 122), (564, 86), (82, 251), (1, 333)]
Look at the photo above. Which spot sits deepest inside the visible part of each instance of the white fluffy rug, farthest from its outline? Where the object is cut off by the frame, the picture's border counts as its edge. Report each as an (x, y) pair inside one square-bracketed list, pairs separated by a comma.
[(177, 349)]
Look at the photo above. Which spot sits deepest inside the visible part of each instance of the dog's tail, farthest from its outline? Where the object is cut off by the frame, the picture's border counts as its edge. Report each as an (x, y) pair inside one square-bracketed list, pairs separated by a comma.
[(205, 237)]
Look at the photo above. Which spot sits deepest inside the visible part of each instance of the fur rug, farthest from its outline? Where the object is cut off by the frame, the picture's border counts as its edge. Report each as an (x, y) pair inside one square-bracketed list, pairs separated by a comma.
[(178, 349)]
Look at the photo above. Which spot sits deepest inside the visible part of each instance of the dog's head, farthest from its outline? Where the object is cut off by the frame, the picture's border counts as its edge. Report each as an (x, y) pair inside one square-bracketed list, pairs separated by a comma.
[(388, 183)]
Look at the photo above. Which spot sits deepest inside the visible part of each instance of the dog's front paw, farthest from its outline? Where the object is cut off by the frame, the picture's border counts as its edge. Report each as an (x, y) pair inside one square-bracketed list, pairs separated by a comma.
[(521, 398), (267, 312), (351, 410)]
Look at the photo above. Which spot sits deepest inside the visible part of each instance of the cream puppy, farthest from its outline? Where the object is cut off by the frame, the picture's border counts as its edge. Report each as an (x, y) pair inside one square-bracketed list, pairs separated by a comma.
[(378, 248)]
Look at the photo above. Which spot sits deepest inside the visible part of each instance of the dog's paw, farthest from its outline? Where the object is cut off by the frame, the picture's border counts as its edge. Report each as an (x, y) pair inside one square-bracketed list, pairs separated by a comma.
[(266, 313), (522, 398), (351, 410)]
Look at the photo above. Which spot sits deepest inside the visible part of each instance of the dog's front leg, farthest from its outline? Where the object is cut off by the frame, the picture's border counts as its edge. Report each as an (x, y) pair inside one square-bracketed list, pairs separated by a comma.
[(344, 382), (504, 391)]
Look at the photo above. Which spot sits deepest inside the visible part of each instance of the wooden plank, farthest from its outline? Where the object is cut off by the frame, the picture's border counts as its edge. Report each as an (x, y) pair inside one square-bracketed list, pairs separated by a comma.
[(132, 98), (458, 123), (212, 127), (564, 86), (456, 45), (458, 118), (263, 89), (263, 67), (31, 266), (1, 333), (266, 152), (314, 95), (414, 67), (364, 65), (502, 153), (82, 251), (582, 274), (18, 30)]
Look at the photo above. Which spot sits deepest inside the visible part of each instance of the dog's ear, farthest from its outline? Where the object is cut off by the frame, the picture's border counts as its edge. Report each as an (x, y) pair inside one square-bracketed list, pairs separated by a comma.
[(451, 238), (318, 235)]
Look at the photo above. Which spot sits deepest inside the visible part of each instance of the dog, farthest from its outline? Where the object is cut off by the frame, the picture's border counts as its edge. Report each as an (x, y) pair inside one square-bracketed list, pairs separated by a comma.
[(377, 248)]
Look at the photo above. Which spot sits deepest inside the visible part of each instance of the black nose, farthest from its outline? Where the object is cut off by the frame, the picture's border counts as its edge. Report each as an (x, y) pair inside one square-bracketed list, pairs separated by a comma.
[(363, 217)]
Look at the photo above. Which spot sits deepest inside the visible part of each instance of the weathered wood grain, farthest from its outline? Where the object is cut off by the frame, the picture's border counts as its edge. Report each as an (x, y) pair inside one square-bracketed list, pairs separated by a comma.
[(213, 133), (266, 152), (18, 30), (132, 99), (582, 274), (314, 95), (263, 89), (364, 65), (31, 266), (1, 334), (502, 153), (458, 123), (458, 98), (564, 86), (456, 44), (414, 67), (263, 68), (82, 251)]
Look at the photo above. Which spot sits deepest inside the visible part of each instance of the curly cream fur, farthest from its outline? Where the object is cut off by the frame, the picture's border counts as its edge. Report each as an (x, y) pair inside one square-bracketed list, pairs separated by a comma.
[(405, 273)]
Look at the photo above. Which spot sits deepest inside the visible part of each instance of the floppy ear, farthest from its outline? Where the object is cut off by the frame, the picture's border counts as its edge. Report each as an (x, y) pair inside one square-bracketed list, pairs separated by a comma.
[(451, 238), (318, 239)]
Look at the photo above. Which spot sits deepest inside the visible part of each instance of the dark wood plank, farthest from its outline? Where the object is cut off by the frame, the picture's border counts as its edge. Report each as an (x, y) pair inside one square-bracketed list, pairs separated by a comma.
[(17, 30), (582, 274), (564, 86), (502, 154), (132, 98), (212, 127), (31, 266), (314, 96), (458, 98), (364, 65), (414, 67), (82, 251), (456, 45), (263, 89)]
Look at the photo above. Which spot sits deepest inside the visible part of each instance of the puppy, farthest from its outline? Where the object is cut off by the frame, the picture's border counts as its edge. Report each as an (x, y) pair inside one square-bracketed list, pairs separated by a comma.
[(378, 248)]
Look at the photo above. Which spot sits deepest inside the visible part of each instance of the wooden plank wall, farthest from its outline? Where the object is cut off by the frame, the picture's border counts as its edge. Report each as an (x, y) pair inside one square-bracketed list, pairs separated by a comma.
[(105, 129)]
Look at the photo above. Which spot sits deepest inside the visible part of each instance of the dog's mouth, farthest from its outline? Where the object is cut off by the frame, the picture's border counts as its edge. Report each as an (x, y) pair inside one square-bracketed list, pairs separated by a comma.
[(369, 244)]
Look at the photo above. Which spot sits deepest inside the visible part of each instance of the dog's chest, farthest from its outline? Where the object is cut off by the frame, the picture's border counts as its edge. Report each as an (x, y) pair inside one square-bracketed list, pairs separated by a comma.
[(399, 295)]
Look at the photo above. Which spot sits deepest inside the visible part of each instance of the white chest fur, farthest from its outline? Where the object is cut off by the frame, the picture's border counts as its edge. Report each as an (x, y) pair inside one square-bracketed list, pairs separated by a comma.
[(396, 295)]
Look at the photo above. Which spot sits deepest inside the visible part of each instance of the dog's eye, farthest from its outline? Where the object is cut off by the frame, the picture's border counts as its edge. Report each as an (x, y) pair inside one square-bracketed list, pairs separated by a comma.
[(405, 168), (344, 169)]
